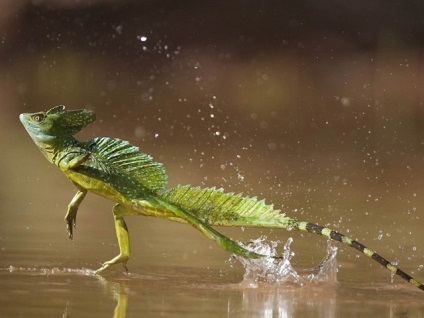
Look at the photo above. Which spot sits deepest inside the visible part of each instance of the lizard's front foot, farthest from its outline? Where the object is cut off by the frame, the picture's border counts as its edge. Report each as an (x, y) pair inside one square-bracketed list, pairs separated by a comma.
[(71, 214), (118, 259), (71, 222)]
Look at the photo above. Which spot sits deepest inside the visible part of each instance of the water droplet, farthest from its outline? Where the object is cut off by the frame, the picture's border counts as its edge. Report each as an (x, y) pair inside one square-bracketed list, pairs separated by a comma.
[(119, 29), (345, 101)]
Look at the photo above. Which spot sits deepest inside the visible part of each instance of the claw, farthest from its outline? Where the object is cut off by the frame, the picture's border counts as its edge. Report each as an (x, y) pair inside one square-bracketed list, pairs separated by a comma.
[(71, 224), (70, 232)]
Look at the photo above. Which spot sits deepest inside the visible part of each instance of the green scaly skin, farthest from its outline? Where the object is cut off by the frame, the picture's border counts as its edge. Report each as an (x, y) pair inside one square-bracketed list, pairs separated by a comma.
[(114, 169)]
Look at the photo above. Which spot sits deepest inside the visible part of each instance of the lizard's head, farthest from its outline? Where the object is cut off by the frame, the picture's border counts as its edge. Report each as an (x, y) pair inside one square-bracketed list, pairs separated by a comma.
[(56, 122)]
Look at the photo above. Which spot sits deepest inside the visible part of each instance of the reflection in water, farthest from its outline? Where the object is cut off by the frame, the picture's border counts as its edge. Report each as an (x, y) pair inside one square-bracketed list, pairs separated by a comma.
[(285, 301), (67, 292), (119, 291), (122, 297)]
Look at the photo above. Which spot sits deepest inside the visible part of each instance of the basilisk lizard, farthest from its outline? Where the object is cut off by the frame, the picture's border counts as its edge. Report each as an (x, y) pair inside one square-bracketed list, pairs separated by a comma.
[(116, 170)]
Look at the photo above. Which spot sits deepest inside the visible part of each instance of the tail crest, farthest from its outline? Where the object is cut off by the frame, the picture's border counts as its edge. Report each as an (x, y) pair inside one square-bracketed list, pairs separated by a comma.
[(215, 207)]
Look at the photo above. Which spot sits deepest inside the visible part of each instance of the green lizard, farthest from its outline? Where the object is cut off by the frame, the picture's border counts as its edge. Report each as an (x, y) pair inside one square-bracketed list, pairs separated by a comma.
[(116, 170)]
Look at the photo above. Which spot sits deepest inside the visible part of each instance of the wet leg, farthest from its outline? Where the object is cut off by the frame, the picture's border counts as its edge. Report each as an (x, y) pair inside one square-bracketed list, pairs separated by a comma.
[(123, 239)]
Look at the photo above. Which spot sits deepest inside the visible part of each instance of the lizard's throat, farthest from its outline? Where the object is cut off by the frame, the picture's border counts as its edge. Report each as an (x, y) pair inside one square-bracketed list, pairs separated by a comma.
[(48, 148), (52, 146)]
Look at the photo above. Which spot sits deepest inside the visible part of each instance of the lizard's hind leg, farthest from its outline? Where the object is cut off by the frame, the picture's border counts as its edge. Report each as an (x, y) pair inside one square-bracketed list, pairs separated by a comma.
[(123, 238)]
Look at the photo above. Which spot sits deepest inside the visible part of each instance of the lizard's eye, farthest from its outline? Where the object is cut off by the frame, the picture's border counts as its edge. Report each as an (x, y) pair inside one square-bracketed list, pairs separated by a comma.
[(38, 118)]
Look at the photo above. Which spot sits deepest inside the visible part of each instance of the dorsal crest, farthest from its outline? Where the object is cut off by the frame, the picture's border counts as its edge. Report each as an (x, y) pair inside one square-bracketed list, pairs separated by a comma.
[(121, 157)]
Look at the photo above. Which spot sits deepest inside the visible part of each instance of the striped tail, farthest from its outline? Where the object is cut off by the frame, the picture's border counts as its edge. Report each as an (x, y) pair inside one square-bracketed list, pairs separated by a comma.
[(214, 207), (321, 230)]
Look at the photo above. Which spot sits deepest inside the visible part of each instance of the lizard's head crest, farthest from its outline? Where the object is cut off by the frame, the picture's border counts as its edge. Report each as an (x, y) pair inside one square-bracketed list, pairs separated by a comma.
[(56, 122)]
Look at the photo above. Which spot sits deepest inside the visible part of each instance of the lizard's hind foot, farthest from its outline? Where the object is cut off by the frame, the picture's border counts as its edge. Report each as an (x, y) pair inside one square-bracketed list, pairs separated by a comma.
[(118, 259)]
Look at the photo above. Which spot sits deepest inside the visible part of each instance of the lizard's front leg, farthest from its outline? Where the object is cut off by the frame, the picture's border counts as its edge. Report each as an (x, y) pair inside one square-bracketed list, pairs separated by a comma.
[(71, 214), (73, 160)]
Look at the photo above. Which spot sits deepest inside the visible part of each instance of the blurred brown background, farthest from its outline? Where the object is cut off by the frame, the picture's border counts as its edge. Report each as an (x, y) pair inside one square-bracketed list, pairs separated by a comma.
[(315, 105)]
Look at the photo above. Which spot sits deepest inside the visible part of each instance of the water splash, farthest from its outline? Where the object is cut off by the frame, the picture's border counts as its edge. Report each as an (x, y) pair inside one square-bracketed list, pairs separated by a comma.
[(50, 271), (392, 275), (279, 270)]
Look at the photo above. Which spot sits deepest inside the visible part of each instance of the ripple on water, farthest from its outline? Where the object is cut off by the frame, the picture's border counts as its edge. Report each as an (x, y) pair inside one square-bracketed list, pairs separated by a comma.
[(50, 271)]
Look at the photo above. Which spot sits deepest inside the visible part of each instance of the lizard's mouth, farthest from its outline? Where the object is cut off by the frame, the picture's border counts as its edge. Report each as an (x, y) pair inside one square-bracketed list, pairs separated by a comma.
[(24, 120)]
